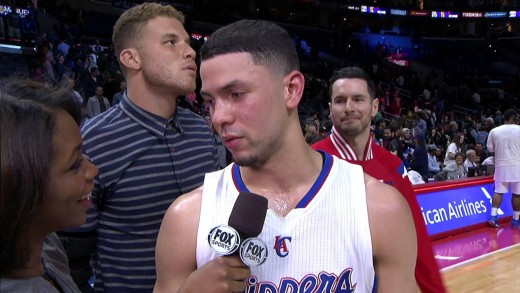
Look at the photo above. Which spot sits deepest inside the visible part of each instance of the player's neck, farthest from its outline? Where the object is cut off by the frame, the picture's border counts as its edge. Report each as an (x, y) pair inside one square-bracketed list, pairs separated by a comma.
[(358, 143), (156, 102), (285, 179)]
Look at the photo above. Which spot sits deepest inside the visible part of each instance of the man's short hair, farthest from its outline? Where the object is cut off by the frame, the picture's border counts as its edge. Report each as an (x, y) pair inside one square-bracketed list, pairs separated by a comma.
[(509, 114), (128, 28), (268, 44), (354, 72)]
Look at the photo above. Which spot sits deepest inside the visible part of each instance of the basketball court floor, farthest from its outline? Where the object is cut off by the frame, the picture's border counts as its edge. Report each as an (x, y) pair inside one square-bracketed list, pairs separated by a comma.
[(483, 260)]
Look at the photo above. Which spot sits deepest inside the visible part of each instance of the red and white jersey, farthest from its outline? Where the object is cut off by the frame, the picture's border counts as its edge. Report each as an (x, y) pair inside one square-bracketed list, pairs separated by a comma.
[(323, 245), (388, 168)]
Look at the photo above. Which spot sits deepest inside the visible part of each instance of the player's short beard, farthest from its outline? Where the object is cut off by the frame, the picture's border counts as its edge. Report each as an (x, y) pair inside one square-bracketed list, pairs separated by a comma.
[(254, 161)]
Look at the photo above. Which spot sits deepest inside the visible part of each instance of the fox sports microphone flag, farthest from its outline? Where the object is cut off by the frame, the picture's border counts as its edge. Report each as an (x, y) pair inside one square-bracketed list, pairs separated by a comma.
[(245, 223)]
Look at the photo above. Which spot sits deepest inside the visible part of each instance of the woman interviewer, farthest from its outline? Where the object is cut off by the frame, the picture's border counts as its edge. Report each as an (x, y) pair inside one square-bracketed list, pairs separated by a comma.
[(45, 185)]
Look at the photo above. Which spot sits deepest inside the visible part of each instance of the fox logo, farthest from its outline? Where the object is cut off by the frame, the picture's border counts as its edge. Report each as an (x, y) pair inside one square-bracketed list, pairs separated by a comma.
[(280, 245)]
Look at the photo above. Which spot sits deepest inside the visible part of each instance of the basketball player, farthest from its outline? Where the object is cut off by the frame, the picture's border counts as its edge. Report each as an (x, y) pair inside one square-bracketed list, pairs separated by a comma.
[(328, 225), (504, 141), (352, 106)]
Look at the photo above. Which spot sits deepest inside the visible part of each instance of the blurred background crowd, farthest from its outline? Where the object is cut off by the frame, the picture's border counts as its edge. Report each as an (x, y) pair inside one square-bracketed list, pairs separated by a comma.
[(440, 91)]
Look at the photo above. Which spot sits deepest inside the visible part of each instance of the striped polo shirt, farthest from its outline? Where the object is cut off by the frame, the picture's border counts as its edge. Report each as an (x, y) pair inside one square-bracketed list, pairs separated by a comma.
[(145, 162)]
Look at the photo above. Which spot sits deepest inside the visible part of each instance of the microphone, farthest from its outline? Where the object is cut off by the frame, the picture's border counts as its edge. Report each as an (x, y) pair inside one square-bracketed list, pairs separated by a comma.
[(240, 235)]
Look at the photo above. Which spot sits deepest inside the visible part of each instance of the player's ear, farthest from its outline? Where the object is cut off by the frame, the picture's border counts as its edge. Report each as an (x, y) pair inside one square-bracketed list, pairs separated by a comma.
[(375, 106), (130, 58), (294, 85)]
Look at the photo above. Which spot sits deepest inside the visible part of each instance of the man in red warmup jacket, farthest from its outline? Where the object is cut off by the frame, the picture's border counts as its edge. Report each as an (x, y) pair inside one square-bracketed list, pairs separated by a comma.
[(352, 107)]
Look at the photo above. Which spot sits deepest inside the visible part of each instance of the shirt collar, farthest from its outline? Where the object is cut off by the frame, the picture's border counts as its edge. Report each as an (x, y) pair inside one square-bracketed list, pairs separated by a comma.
[(153, 123), (345, 151)]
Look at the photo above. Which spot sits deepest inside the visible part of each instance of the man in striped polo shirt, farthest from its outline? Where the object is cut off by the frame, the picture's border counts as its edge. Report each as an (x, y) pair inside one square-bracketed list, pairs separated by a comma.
[(148, 150)]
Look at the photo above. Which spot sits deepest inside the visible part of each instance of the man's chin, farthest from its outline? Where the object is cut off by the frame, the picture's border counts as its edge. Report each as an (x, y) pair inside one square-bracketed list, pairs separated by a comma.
[(251, 162), (349, 131)]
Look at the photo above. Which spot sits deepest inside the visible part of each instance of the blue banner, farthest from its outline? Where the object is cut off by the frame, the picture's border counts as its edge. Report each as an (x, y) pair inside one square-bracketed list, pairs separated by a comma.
[(460, 207)]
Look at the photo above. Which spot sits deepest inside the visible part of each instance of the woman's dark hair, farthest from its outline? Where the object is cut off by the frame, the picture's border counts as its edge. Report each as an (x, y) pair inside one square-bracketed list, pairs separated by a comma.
[(28, 111), (456, 139), (55, 97)]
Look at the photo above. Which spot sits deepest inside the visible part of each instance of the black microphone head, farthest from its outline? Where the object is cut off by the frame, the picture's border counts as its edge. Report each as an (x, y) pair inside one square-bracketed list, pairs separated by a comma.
[(248, 214)]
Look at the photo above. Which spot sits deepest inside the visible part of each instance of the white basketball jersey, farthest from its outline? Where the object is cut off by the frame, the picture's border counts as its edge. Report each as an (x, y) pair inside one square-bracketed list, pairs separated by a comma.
[(323, 245)]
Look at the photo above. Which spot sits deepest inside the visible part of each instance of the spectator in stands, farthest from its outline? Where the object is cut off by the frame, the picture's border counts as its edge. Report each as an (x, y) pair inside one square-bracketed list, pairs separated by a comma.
[(110, 84), (476, 99), (97, 48), (119, 95), (384, 101), (379, 131), (504, 142), (395, 105), (419, 161), (406, 138), (456, 169), (92, 82), (63, 46), (151, 151), (84, 47), (45, 185), (97, 104), (59, 67), (46, 62), (71, 85), (435, 137), (453, 148), (498, 118), (112, 66), (490, 123), (470, 132), (453, 129), (378, 118), (421, 123), (431, 118), (472, 160), (433, 164), (391, 140), (353, 95), (77, 67), (482, 135), (426, 94), (311, 134), (481, 152), (400, 81), (89, 63)]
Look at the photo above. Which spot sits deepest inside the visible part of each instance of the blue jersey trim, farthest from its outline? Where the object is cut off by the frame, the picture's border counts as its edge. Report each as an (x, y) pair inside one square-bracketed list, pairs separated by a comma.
[(237, 179), (325, 171)]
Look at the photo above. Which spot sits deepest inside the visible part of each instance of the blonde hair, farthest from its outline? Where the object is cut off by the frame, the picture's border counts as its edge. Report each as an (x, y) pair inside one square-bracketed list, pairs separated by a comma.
[(128, 27)]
